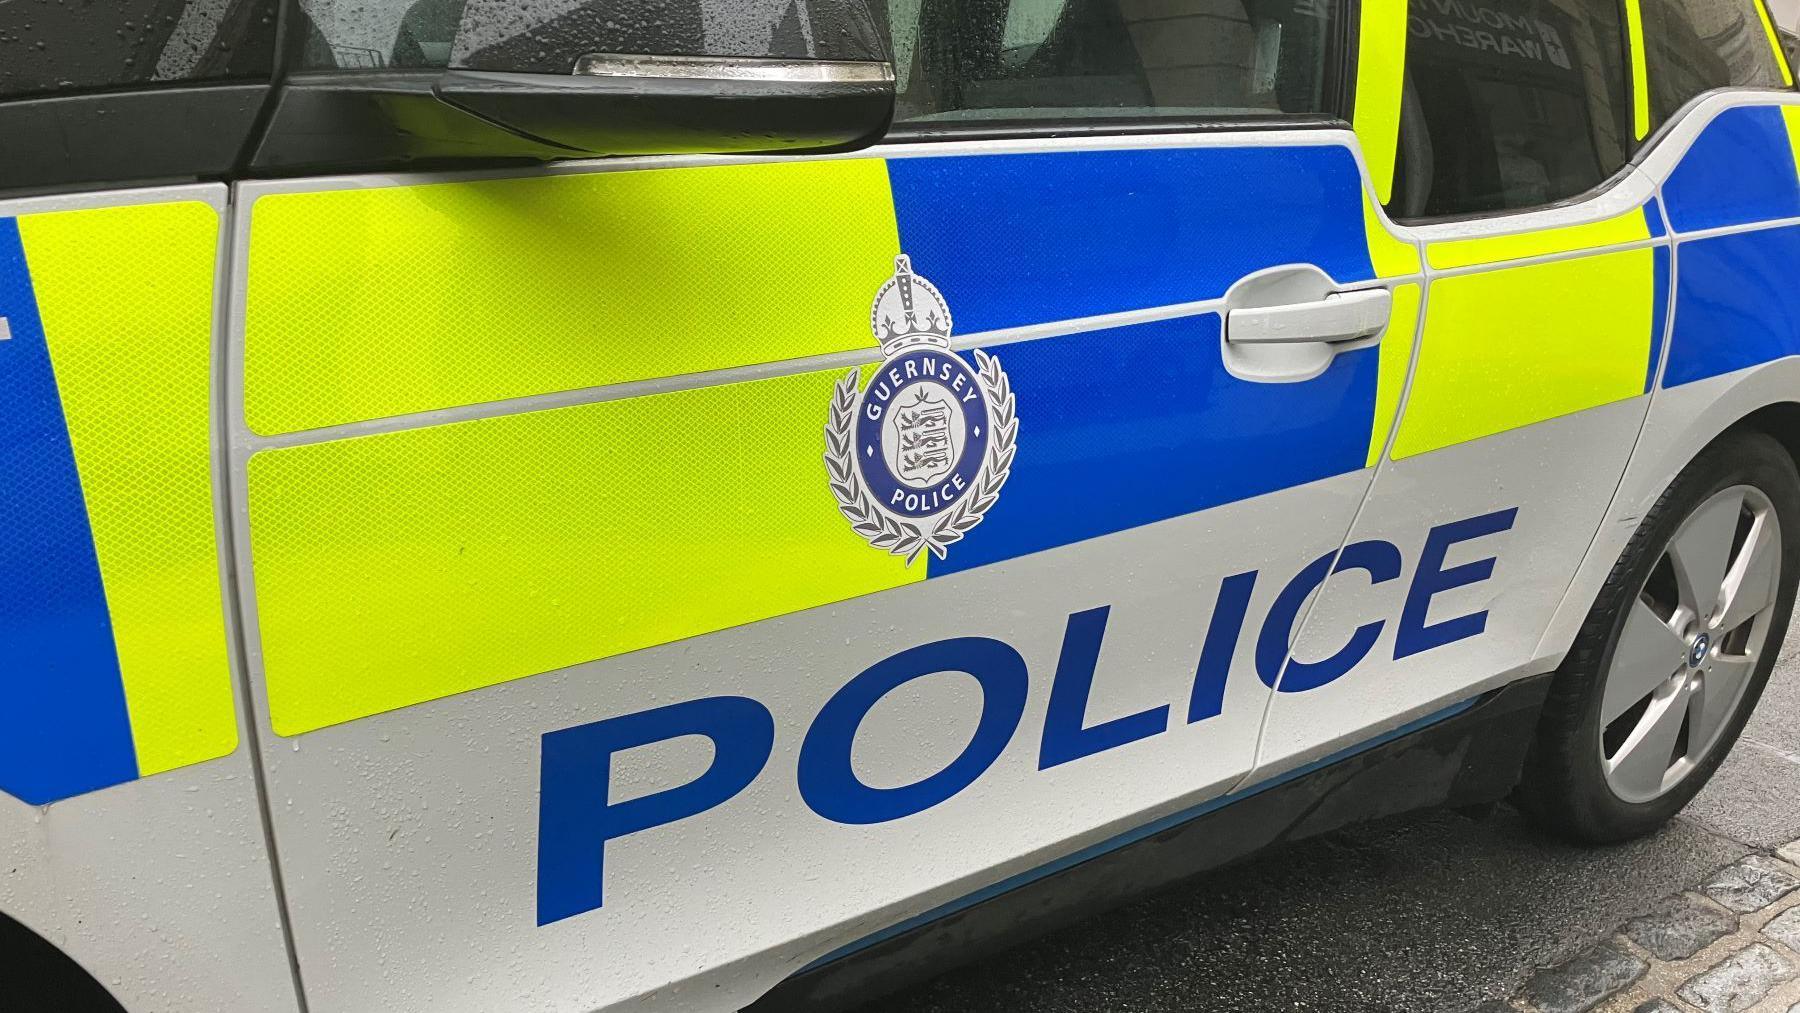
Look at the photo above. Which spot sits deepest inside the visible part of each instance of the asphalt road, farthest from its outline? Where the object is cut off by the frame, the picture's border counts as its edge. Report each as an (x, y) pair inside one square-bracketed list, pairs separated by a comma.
[(1432, 912)]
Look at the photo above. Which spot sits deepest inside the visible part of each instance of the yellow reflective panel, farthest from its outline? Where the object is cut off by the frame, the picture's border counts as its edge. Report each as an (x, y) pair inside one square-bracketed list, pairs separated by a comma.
[(1626, 228), (1390, 377), (400, 568), (1790, 115), (1380, 71), (1640, 75), (368, 303), (1762, 12), (126, 295), (1503, 349), (1391, 255)]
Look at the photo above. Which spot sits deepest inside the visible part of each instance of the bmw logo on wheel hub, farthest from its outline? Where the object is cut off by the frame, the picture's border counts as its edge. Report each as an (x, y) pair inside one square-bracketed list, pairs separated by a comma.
[(1697, 651)]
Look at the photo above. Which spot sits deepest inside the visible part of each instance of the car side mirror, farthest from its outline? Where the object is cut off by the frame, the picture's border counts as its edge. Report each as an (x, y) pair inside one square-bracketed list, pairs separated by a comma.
[(624, 104), (527, 101)]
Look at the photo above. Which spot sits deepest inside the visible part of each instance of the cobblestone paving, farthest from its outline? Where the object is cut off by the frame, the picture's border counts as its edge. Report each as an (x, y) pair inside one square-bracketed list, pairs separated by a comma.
[(1729, 945)]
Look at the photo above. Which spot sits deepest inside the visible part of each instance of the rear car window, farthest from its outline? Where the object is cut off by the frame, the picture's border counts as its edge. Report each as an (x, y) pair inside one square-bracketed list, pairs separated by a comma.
[(1694, 46), (1510, 104)]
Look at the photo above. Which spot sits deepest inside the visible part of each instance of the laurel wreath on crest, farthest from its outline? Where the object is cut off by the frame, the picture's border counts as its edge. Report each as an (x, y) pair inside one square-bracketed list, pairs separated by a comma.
[(903, 538)]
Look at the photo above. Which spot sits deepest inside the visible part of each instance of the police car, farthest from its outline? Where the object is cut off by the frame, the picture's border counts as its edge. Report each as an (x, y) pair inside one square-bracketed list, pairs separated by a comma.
[(738, 504)]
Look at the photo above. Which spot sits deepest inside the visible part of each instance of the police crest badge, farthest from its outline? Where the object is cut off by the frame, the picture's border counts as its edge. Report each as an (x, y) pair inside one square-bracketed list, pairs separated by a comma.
[(918, 456)]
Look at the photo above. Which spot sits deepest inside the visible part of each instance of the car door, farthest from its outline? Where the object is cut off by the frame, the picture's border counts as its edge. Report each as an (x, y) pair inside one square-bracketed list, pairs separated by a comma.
[(636, 605), (1548, 270), (130, 831)]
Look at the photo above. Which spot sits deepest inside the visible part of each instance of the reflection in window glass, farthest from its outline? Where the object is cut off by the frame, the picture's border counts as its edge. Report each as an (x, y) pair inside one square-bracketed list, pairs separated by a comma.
[(1028, 23), (1510, 104), (549, 36), (1694, 46), (1025, 59), (67, 47)]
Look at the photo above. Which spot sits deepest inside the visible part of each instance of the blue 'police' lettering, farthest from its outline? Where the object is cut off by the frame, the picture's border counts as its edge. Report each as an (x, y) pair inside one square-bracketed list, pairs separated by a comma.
[(1208, 696), (1381, 560), (832, 789), (1065, 736), (1413, 636), (575, 819)]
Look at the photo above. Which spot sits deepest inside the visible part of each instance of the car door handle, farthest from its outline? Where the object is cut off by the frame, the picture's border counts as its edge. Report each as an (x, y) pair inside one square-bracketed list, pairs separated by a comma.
[(1339, 317)]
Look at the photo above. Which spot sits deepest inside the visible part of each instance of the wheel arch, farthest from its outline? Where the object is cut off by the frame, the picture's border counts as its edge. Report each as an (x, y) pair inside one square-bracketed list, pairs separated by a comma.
[(1780, 420), (1680, 424), (39, 975)]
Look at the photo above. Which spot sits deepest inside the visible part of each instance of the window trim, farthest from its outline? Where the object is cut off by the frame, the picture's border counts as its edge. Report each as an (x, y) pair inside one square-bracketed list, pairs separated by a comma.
[(1593, 205), (128, 137), (195, 131), (1650, 150), (1593, 195), (1000, 130)]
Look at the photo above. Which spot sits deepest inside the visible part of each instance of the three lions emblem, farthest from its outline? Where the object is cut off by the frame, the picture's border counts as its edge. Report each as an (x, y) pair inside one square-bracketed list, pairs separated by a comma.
[(916, 457)]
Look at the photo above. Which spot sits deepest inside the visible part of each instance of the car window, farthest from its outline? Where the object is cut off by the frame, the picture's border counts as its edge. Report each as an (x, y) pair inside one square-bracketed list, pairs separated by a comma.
[(1509, 104), (956, 59), (549, 36), (62, 48), (987, 60), (1693, 46)]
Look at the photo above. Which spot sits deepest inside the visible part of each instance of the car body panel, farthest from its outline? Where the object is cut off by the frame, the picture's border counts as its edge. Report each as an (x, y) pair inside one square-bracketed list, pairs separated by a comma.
[(1685, 415), (130, 818), (1540, 333), (520, 483), (510, 608)]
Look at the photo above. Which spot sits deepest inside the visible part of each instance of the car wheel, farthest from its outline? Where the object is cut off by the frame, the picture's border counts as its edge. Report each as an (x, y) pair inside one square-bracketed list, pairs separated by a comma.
[(1675, 653)]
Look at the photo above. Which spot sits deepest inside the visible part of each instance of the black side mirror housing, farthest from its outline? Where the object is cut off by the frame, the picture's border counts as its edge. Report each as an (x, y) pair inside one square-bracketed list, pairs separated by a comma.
[(628, 105), (623, 104)]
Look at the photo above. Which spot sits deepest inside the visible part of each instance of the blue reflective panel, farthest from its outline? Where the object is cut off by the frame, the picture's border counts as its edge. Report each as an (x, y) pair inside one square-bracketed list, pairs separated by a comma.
[(63, 725), (1739, 170), (1736, 304), (1142, 423), (1025, 239)]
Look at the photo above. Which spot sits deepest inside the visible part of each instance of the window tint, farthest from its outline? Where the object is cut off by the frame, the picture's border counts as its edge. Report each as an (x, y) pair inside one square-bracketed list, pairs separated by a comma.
[(1694, 46), (960, 60), (549, 36), (52, 48), (1510, 104)]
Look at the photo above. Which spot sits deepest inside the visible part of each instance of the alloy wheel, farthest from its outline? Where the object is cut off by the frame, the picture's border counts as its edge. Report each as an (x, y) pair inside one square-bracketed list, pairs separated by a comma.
[(1690, 643)]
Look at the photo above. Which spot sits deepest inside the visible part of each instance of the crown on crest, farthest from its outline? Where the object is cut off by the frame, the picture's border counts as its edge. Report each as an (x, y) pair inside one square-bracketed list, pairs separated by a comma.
[(909, 312)]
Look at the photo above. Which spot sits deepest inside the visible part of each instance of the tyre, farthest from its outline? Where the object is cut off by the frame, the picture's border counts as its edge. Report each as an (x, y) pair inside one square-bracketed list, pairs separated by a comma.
[(35, 975), (1676, 651)]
